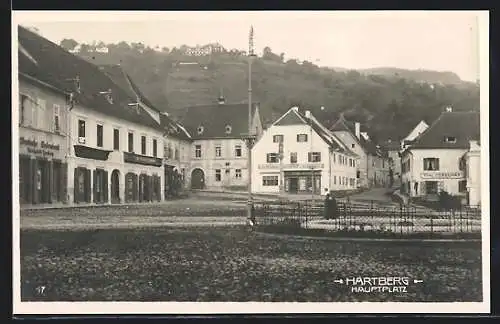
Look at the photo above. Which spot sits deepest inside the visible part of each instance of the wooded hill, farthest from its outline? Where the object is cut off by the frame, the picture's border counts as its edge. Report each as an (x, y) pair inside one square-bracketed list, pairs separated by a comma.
[(387, 101)]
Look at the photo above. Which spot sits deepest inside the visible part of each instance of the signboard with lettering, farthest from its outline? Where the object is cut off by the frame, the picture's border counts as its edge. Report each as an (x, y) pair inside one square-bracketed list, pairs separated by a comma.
[(43, 145), (276, 166), (442, 175), (142, 159)]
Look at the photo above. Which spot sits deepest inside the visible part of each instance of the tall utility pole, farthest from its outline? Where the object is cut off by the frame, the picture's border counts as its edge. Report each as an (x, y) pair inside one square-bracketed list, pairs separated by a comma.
[(251, 137)]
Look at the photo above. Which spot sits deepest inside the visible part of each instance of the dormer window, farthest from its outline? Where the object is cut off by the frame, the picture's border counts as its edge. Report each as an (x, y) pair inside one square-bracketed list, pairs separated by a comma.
[(228, 129), (200, 130), (450, 139)]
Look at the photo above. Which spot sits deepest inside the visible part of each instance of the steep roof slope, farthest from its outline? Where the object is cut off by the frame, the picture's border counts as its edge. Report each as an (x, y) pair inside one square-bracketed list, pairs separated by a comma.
[(213, 120), (463, 126), (59, 68)]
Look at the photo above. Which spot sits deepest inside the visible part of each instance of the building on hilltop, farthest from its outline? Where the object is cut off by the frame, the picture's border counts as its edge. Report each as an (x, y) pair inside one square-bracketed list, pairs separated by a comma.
[(373, 164), (445, 157), (218, 152), (297, 154), (114, 145), (43, 132)]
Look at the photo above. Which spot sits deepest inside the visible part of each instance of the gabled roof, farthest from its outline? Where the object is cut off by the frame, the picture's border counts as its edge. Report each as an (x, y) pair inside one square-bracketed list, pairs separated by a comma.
[(215, 120), (294, 117), (173, 128), (347, 126), (463, 126), (58, 68), (121, 78)]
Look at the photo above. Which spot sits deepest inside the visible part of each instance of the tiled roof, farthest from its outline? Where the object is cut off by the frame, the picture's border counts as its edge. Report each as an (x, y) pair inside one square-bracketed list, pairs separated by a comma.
[(344, 125), (216, 120), (58, 68), (121, 78), (174, 129), (463, 126)]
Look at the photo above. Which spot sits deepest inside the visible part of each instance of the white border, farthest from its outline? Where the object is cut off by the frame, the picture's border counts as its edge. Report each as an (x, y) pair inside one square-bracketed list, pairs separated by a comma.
[(245, 307)]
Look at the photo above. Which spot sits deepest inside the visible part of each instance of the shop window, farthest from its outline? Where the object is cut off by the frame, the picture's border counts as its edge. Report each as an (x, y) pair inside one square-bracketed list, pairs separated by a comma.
[(269, 181), (431, 187)]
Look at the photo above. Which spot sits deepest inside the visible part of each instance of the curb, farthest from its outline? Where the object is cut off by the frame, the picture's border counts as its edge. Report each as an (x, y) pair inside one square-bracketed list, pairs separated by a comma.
[(365, 239)]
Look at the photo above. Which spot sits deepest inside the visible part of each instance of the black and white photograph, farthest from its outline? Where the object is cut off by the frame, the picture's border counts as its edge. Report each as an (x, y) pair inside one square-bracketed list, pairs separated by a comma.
[(250, 162)]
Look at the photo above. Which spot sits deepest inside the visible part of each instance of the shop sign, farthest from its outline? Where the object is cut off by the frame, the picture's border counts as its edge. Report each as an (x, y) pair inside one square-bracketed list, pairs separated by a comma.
[(39, 148), (275, 166), (142, 159), (442, 175)]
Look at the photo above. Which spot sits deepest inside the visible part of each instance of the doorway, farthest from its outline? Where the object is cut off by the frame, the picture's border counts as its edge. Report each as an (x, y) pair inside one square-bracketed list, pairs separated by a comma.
[(293, 185), (197, 179), (115, 187)]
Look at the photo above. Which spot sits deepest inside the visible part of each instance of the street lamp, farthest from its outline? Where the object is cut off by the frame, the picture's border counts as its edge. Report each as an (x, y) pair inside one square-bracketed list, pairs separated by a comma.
[(250, 138)]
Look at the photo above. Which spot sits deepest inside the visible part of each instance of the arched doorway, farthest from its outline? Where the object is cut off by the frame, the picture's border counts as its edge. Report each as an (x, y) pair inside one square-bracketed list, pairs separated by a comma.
[(197, 179), (115, 187)]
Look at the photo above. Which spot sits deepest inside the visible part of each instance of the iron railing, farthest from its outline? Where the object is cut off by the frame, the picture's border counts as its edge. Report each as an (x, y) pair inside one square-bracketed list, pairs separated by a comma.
[(369, 216)]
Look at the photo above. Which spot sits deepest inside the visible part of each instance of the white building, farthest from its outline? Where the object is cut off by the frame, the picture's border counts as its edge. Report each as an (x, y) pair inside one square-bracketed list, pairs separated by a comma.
[(437, 160), (313, 160), (473, 173), (414, 133), (373, 164), (218, 153)]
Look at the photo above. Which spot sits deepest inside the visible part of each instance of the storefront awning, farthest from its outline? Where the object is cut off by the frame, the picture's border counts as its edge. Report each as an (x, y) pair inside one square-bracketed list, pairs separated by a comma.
[(86, 152)]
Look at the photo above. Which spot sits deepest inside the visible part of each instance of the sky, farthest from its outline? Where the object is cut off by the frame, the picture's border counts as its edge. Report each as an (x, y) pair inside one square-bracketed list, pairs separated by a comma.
[(430, 40)]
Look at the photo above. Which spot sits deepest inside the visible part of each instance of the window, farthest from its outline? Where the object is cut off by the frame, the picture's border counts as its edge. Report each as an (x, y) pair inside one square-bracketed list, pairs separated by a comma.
[(237, 150), (301, 137), (278, 139), (272, 157), (169, 151), (237, 173), (450, 139), (358, 174), (431, 187), (462, 186), (116, 139), (462, 164), (293, 157), (197, 151), (131, 142), (57, 126), (143, 145), (353, 145), (314, 156), (334, 180), (217, 175), (218, 151), (431, 164), (22, 108), (155, 147), (81, 128), (41, 117), (200, 130), (269, 181), (99, 136), (176, 154), (352, 182), (334, 158)]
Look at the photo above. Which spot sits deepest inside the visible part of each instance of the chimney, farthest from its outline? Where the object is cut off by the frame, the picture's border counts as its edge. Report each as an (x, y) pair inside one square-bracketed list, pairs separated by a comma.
[(308, 114), (357, 129)]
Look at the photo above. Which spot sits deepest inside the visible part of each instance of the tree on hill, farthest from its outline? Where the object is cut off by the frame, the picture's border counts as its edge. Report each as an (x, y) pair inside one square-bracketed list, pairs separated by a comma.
[(68, 44), (387, 105)]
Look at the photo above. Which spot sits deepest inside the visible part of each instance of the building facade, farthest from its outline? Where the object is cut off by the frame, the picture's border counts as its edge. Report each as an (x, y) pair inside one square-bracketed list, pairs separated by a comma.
[(373, 164), (218, 154), (437, 160), (114, 146), (414, 133), (298, 155), (473, 173), (43, 146)]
